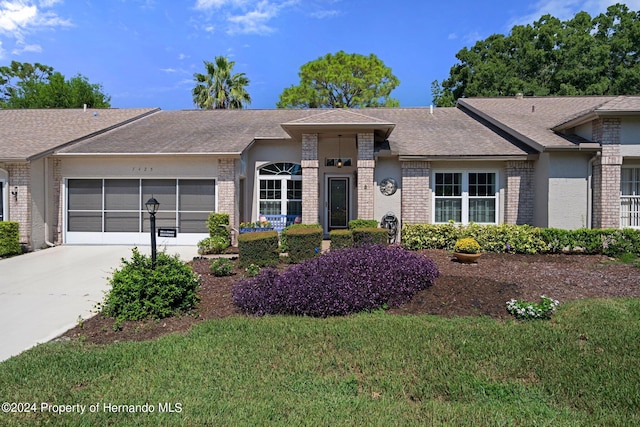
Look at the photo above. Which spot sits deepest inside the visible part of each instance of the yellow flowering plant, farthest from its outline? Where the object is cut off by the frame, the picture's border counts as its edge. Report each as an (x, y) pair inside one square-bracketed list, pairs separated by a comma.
[(467, 245)]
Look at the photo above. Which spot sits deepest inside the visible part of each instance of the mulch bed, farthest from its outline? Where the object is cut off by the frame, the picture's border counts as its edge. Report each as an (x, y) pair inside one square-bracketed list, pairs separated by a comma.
[(480, 289)]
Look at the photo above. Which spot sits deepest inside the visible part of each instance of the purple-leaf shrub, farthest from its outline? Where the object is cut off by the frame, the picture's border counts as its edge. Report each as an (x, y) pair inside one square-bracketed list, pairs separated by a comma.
[(340, 282)]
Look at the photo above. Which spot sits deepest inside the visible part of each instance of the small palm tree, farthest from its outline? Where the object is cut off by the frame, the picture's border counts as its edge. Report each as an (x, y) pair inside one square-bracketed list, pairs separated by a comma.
[(218, 88)]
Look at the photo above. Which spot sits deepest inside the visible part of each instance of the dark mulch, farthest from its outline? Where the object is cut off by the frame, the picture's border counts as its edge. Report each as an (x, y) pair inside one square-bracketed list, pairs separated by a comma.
[(461, 290)]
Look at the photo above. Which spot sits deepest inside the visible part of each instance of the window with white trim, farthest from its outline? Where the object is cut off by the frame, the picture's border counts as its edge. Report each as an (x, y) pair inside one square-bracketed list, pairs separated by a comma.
[(465, 197), (630, 197), (280, 189)]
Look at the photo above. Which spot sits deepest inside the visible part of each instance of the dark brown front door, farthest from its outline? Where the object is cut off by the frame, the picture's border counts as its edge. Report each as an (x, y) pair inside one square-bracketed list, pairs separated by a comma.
[(338, 202)]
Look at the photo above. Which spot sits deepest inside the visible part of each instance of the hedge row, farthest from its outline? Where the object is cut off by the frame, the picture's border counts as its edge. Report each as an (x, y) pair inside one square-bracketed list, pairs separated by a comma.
[(523, 239), (262, 248), (9, 238)]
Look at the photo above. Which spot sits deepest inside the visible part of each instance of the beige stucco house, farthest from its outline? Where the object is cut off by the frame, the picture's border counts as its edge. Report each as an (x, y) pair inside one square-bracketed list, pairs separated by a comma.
[(82, 177)]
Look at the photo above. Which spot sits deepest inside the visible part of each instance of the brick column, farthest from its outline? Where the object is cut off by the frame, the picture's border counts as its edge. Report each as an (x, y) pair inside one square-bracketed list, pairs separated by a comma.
[(606, 174), (228, 184), (366, 165), (520, 196), (416, 193), (310, 187), (20, 206)]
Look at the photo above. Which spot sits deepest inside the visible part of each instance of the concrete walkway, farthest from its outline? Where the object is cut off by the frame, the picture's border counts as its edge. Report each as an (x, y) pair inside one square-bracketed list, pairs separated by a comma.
[(44, 293)]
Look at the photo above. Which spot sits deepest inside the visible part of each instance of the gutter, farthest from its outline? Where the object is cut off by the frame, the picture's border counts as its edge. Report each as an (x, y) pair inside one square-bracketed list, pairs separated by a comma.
[(46, 205)]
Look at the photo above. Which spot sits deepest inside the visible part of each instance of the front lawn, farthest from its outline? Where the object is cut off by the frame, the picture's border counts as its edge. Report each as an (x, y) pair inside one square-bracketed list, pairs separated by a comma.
[(579, 368)]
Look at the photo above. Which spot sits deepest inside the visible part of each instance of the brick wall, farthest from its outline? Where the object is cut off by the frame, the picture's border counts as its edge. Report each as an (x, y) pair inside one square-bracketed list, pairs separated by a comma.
[(20, 206), (366, 165), (310, 188), (228, 184), (519, 194), (416, 193), (606, 174)]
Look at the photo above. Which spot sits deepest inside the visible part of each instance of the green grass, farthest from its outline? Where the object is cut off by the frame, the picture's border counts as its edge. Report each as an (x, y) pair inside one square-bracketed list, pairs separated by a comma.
[(580, 368)]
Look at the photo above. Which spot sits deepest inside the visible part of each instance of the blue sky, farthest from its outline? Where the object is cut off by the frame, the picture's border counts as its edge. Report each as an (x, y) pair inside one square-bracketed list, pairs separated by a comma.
[(145, 52)]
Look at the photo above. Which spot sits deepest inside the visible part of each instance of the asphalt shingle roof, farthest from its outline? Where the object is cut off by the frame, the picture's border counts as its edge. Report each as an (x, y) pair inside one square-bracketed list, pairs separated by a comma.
[(417, 132), (27, 134), (534, 117)]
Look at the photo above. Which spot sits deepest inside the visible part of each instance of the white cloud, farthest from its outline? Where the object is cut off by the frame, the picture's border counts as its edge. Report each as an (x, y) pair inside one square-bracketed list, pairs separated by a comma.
[(21, 18), (321, 14), (16, 15), (21, 48), (242, 16)]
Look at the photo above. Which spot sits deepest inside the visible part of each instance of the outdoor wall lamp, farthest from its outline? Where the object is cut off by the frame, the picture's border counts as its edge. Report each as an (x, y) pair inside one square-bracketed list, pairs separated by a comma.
[(14, 193), (152, 207), (339, 156)]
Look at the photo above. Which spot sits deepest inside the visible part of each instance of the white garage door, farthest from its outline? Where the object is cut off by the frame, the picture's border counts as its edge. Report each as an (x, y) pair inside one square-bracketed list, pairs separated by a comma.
[(112, 210)]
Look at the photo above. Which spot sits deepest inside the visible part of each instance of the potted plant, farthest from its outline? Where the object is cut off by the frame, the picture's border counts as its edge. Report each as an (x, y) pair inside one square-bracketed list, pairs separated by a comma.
[(467, 250)]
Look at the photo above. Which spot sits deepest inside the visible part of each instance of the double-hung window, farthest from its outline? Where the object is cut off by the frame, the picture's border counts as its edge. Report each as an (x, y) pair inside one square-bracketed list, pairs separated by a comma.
[(465, 197)]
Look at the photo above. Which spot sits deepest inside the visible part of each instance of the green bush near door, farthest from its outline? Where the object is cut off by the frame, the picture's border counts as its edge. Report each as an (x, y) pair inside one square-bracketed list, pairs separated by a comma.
[(10, 238)]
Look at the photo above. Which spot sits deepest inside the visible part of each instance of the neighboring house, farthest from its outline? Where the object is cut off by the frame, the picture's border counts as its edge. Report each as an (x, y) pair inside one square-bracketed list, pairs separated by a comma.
[(565, 162)]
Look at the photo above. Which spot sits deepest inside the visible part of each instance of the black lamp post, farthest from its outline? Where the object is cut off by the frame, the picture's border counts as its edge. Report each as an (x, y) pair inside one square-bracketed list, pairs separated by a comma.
[(152, 207)]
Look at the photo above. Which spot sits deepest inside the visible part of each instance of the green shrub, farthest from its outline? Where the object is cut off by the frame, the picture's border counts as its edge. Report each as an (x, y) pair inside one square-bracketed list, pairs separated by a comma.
[(303, 242), (375, 236), (341, 239), (252, 270), (139, 291), (9, 238), (218, 224), (523, 239), (220, 267), (259, 248), (492, 238), (284, 247), (212, 245), (429, 236), (362, 223)]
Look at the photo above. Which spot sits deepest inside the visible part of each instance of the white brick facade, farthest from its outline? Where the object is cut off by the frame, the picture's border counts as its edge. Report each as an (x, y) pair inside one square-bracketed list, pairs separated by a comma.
[(606, 174), (228, 184), (310, 187), (19, 206), (416, 192), (366, 165)]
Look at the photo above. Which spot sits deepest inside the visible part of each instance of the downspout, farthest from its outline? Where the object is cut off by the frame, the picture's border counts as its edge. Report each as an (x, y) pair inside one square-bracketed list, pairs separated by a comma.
[(46, 204), (590, 189)]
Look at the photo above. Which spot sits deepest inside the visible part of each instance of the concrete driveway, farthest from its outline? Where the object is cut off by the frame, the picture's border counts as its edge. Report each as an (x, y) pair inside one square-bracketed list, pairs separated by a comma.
[(44, 293)]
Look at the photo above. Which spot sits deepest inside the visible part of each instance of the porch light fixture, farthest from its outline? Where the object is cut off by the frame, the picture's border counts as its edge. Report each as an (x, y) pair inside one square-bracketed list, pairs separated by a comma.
[(152, 207), (339, 156), (14, 193)]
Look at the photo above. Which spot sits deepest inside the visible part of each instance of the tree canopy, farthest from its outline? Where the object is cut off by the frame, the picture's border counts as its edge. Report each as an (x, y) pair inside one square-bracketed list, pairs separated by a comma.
[(25, 85), (218, 88), (580, 56), (342, 80)]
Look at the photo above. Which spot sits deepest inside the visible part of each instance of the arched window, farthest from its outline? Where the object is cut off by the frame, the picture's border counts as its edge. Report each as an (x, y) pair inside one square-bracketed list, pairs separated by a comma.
[(280, 189)]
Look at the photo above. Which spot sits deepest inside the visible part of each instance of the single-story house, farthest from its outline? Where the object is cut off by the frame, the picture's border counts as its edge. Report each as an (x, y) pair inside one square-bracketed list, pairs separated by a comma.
[(83, 176)]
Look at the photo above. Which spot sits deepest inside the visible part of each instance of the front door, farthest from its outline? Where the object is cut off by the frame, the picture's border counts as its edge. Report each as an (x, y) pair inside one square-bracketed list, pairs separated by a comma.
[(338, 202)]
